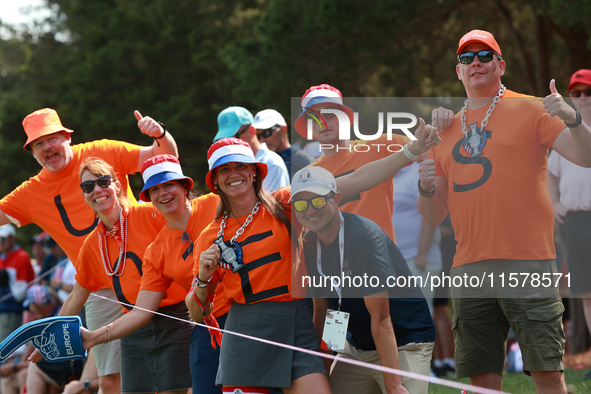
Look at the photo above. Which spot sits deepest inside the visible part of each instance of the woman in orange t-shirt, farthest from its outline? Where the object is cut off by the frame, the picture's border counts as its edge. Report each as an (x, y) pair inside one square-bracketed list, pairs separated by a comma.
[(111, 257), (167, 265), (252, 229)]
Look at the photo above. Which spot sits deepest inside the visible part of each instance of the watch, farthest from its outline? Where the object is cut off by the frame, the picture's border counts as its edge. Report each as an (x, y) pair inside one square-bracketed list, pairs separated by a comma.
[(576, 123), (87, 385)]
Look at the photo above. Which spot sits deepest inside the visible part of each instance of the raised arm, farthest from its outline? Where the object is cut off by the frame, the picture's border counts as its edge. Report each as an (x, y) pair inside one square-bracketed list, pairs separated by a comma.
[(432, 202), (164, 143), (376, 172), (574, 142)]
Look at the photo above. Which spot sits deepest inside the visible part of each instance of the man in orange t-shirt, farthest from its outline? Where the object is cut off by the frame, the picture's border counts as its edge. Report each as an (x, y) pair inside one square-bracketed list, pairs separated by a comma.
[(342, 157), (52, 199), (490, 174)]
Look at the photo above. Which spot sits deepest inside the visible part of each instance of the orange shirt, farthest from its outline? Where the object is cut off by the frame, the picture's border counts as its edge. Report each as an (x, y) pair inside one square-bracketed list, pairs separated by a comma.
[(499, 203), (375, 204), (168, 260), (144, 223), (54, 201), (266, 247)]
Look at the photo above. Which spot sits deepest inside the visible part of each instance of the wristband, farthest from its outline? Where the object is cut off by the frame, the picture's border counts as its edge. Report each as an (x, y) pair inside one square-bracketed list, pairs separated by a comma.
[(163, 134), (426, 193), (200, 283), (411, 156), (577, 122)]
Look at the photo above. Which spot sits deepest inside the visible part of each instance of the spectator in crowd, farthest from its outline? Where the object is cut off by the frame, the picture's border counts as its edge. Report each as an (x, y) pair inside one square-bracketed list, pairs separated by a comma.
[(238, 122), (16, 272), (570, 191), (496, 194), (386, 327), (272, 130)]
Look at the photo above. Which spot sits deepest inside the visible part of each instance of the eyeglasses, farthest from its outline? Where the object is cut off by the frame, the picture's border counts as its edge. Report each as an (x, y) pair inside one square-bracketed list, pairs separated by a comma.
[(317, 203), (483, 56), (240, 131), (267, 132), (577, 93), (88, 186)]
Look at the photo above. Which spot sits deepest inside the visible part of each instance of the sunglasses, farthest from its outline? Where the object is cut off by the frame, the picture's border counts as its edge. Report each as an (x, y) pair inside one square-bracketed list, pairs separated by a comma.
[(483, 56), (3, 239), (267, 132), (88, 186), (317, 203), (577, 93), (240, 131)]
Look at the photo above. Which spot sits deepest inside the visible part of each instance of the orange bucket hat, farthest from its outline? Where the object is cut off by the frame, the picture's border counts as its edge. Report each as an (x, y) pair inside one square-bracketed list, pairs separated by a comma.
[(42, 122)]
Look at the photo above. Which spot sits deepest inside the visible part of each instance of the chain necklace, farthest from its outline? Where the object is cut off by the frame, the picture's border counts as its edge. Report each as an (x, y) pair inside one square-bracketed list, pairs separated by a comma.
[(241, 229), (474, 143), (231, 251), (117, 270)]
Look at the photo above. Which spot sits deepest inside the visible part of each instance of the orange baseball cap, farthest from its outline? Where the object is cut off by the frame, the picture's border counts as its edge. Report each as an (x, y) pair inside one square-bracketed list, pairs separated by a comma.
[(42, 122), (481, 36)]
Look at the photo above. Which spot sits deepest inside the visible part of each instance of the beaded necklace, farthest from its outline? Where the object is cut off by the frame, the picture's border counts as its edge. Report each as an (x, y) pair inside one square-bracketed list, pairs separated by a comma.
[(117, 270)]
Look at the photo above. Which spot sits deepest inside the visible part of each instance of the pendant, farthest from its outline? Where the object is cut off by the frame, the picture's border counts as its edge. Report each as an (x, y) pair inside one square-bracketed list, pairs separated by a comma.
[(475, 140), (231, 254)]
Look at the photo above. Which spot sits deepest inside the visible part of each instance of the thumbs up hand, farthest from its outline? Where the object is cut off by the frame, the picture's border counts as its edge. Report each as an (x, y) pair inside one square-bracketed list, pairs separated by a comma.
[(556, 106), (148, 126)]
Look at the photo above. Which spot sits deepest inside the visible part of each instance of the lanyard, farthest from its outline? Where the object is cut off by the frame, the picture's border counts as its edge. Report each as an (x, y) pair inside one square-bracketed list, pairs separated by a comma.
[(341, 257)]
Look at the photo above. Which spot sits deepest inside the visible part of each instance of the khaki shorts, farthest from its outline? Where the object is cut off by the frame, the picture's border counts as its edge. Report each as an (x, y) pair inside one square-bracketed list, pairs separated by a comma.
[(349, 378), (100, 312), (481, 326)]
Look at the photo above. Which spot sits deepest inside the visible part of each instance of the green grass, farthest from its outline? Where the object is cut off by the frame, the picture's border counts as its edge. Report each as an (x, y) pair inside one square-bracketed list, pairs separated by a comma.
[(519, 383)]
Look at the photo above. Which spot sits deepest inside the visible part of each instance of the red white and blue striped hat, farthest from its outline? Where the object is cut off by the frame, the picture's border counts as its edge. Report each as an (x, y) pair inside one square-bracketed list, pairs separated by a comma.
[(319, 94), (231, 150), (158, 170)]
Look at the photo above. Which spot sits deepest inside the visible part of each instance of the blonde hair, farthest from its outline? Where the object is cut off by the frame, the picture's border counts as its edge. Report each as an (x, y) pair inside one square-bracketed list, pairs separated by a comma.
[(98, 167)]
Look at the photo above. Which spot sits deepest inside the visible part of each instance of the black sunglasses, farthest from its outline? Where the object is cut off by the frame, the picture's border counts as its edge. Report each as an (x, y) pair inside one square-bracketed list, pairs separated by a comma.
[(484, 56), (240, 131), (577, 93), (88, 186), (267, 132)]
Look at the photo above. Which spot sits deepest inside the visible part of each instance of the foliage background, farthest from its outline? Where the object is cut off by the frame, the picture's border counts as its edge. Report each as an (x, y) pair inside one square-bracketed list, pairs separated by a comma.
[(183, 61)]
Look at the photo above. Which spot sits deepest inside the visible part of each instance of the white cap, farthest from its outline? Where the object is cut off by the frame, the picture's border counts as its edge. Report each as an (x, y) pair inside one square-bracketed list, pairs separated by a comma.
[(7, 230), (313, 179), (268, 118)]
